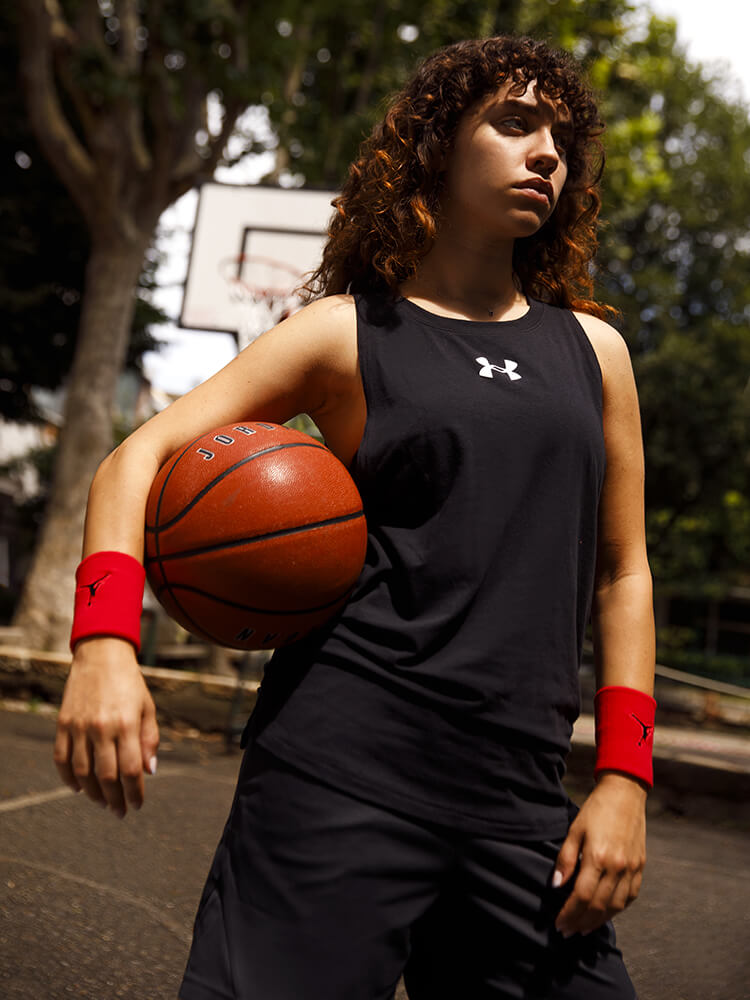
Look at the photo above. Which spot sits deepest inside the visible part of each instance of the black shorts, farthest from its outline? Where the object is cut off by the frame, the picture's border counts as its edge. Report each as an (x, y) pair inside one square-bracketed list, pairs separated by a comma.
[(315, 895)]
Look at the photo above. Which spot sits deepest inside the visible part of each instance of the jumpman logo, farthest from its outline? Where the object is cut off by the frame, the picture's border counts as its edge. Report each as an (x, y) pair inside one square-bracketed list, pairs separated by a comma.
[(647, 730), (487, 370), (93, 587)]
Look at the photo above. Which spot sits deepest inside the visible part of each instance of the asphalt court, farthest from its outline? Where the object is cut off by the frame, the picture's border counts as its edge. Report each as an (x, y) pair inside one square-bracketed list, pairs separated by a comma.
[(97, 908)]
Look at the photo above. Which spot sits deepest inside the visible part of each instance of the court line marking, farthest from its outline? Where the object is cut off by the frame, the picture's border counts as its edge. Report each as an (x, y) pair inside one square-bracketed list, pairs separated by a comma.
[(39, 798), (23, 801), (126, 897)]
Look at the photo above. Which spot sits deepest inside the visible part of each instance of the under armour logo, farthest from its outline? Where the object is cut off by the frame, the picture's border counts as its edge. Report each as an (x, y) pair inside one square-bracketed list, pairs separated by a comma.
[(487, 370), (647, 730), (93, 587)]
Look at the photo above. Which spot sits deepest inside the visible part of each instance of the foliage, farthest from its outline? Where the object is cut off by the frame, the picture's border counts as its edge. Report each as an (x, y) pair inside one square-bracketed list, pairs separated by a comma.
[(335, 65), (137, 82), (44, 245), (676, 247), (117, 97), (674, 260)]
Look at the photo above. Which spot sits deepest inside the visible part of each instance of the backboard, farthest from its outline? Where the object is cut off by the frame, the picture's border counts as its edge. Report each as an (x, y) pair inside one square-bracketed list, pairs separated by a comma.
[(252, 246)]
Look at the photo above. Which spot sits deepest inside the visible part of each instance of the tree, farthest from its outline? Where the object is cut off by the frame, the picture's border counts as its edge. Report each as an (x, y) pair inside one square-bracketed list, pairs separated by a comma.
[(117, 97), (675, 260), (117, 101), (677, 212), (43, 249), (335, 65)]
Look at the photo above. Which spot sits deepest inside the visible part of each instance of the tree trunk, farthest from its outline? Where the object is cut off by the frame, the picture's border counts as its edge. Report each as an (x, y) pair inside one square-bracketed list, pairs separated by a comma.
[(46, 605)]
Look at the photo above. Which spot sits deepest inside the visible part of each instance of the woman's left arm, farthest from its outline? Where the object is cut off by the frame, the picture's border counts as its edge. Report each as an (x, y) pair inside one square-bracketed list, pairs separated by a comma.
[(606, 845)]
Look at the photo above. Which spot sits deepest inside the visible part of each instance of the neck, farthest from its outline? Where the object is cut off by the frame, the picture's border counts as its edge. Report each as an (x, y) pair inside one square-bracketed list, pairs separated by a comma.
[(468, 279)]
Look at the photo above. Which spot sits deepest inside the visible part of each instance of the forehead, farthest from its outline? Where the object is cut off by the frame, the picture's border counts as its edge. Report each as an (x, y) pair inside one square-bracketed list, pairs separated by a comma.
[(530, 98)]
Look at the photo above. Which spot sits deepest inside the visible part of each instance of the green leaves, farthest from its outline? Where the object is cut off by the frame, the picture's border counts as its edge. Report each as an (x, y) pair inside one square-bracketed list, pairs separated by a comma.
[(676, 244)]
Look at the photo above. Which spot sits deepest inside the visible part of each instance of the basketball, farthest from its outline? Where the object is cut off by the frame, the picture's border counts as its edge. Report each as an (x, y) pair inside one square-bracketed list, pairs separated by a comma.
[(255, 535)]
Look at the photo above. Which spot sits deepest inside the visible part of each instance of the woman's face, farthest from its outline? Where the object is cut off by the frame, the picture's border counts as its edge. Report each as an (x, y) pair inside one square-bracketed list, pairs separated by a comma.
[(508, 164)]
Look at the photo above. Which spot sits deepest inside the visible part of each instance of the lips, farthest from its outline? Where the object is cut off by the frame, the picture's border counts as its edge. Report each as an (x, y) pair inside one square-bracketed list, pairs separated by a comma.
[(538, 186)]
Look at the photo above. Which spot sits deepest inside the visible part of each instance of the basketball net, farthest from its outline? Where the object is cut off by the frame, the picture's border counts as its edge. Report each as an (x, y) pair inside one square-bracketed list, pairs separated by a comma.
[(264, 291)]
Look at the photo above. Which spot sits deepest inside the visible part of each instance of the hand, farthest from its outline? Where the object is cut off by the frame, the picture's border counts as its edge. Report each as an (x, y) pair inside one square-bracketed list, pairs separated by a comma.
[(107, 734), (609, 838)]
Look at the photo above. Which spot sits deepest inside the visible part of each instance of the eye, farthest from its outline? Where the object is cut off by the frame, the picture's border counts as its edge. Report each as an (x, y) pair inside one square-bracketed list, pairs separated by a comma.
[(514, 123)]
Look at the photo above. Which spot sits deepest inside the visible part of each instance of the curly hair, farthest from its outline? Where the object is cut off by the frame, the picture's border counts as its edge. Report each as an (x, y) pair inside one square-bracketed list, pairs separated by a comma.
[(388, 213)]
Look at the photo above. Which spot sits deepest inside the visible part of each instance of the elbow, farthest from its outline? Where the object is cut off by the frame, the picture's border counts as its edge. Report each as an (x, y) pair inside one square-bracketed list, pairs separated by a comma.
[(635, 575), (103, 473), (128, 461), (107, 462), (109, 465)]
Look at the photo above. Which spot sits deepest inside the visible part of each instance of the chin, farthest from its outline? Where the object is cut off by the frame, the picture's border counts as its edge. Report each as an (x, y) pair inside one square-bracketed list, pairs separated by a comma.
[(528, 227)]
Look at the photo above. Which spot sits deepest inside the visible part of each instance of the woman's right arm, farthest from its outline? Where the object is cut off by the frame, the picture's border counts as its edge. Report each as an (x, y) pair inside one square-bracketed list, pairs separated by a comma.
[(107, 734)]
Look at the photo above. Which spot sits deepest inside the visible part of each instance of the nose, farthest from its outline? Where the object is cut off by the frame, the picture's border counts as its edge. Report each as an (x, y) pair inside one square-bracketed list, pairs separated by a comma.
[(543, 156)]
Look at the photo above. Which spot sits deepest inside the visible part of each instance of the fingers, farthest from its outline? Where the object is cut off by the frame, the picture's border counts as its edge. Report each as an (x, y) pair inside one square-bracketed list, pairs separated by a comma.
[(567, 859), (588, 904), (149, 738), (82, 765), (603, 888), (130, 787), (106, 760), (625, 891), (61, 756), (107, 774)]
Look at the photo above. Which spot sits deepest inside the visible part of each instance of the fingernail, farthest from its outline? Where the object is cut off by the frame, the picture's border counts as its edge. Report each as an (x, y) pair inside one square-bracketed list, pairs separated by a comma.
[(567, 934), (557, 880), (152, 765)]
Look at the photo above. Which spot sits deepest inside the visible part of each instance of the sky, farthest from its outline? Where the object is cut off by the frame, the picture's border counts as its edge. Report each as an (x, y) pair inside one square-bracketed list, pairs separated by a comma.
[(714, 33)]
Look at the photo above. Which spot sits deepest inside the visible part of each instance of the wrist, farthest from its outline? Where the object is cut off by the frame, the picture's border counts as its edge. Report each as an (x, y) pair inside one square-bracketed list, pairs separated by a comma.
[(108, 598), (624, 782), (624, 733), (100, 648)]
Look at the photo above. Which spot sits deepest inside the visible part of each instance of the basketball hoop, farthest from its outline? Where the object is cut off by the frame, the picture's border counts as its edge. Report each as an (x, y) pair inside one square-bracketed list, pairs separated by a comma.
[(252, 247), (264, 290)]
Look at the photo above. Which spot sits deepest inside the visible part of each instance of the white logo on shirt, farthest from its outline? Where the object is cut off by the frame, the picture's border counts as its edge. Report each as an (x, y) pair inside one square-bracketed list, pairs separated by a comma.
[(487, 370)]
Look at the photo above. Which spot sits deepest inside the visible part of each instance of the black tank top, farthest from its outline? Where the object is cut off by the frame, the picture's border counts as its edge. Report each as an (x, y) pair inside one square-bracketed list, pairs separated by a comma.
[(448, 686)]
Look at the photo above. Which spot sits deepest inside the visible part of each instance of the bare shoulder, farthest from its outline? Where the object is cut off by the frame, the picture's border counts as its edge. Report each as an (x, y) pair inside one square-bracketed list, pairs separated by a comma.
[(620, 396), (610, 348), (306, 364), (338, 311), (314, 349), (320, 341), (324, 330)]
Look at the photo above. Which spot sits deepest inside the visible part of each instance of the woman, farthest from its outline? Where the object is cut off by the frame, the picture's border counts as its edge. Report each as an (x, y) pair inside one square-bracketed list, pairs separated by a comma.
[(399, 807)]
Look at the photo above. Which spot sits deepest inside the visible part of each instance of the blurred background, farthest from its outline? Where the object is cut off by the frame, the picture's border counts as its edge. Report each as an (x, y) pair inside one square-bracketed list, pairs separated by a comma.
[(115, 113), (118, 119)]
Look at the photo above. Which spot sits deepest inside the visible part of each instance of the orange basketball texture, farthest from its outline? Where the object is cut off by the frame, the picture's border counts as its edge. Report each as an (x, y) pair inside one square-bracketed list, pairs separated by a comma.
[(255, 535)]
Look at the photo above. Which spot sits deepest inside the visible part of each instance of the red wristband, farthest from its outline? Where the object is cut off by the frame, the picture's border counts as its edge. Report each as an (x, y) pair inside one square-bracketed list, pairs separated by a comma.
[(109, 598), (625, 732)]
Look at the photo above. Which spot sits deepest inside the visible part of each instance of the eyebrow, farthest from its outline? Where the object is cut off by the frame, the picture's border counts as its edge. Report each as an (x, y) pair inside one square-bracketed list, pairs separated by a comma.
[(536, 109)]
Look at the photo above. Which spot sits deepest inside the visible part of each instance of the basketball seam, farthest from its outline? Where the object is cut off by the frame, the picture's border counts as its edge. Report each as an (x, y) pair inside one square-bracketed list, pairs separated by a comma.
[(199, 630), (248, 607), (251, 539), (156, 528), (156, 541), (155, 531), (166, 480)]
